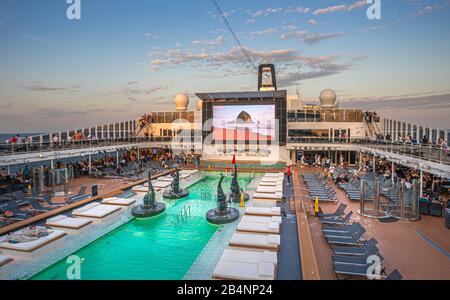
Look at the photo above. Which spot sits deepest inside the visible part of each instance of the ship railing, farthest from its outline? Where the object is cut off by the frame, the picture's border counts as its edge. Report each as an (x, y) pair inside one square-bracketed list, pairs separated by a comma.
[(428, 152), (7, 149)]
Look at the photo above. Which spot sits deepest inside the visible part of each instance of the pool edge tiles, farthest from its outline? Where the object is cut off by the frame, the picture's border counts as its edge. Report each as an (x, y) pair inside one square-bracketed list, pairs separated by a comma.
[(203, 267)]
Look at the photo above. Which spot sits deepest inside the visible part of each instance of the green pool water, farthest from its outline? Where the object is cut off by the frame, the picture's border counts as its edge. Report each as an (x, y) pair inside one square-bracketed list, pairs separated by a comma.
[(162, 248)]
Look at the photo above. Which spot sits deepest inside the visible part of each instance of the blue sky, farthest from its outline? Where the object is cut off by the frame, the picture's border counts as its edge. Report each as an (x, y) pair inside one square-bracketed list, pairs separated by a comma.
[(124, 58)]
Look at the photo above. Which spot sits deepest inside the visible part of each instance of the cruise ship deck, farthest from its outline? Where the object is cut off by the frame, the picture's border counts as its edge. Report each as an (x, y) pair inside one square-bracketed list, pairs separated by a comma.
[(242, 199)]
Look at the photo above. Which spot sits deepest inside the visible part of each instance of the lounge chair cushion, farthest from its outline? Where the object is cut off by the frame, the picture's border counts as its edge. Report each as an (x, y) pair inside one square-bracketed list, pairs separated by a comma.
[(34, 245), (266, 269), (66, 222)]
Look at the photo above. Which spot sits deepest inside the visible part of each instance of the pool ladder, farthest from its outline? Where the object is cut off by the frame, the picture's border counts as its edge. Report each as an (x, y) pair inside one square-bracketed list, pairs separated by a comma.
[(185, 212)]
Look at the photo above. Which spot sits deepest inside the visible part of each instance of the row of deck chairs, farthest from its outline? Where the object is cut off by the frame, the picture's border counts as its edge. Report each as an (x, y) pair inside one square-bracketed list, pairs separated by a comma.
[(24, 207), (351, 252), (353, 187), (132, 171), (318, 187), (338, 172), (389, 190)]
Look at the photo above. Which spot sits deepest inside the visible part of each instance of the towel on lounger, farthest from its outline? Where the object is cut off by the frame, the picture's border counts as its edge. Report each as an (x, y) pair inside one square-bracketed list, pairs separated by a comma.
[(28, 234)]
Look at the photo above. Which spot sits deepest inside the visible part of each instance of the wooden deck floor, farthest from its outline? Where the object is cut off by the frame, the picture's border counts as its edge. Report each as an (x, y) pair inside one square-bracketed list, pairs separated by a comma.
[(419, 250)]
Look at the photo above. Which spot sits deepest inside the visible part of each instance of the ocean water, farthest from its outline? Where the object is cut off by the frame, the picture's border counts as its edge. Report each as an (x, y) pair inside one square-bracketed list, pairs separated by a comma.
[(162, 248)]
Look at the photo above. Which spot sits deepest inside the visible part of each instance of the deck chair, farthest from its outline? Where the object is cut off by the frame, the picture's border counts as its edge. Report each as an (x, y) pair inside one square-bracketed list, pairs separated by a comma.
[(339, 212), (353, 270), (339, 221), (331, 228), (354, 229), (81, 195), (34, 203), (356, 260), (360, 250), (356, 239), (395, 275), (19, 195)]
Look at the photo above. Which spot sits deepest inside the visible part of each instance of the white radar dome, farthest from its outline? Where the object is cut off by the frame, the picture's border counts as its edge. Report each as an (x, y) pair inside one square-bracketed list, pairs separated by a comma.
[(328, 98), (181, 102)]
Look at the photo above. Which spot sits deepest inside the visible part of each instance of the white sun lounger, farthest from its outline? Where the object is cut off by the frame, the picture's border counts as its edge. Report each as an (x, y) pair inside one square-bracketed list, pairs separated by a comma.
[(261, 219), (166, 178), (96, 211), (66, 223), (5, 260), (256, 241), (271, 183), (276, 196), (264, 203), (269, 189), (272, 179), (143, 189), (29, 247), (159, 184), (263, 211), (274, 175), (127, 202), (246, 265), (272, 227), (189, 171), (252, 256)]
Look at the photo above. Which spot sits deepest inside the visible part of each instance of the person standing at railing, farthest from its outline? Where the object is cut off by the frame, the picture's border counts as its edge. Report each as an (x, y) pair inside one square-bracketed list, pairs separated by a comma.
[(442, 144)]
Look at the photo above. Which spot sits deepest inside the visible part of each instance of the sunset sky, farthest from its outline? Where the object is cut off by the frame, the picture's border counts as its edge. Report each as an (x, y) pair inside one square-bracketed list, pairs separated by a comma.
[(126, 58)]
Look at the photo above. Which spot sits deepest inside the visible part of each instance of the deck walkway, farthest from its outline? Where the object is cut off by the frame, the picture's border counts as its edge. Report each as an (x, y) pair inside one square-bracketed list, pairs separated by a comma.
[(289, 265), (419, 250)]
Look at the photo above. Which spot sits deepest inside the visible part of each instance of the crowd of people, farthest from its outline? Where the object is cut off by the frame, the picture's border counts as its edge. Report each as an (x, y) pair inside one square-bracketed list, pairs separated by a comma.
[(163, 159), (408, 139)]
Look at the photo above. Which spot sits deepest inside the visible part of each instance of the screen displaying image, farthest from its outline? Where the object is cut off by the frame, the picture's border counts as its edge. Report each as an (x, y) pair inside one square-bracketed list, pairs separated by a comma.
[(244, 122)]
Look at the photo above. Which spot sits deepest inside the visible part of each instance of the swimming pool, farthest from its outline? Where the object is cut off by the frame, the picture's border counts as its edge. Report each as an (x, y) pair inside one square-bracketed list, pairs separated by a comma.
[(162, 248)]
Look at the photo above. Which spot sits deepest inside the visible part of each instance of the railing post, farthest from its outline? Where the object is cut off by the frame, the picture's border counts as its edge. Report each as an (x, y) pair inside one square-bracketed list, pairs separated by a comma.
[(377, 196), (362, 197), (415, 200)]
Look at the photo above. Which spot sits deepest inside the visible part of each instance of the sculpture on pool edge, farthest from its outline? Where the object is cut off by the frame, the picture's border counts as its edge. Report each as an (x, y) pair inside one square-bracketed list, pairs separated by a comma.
[(176, 192), (222, 214), (149, 208), (235, 194)]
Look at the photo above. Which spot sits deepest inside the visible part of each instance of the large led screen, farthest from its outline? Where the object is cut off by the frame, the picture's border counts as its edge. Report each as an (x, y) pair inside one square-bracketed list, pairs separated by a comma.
[(244, 122)]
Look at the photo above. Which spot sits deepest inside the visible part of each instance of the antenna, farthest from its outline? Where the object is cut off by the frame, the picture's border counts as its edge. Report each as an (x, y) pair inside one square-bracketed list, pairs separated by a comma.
[(234, 34)]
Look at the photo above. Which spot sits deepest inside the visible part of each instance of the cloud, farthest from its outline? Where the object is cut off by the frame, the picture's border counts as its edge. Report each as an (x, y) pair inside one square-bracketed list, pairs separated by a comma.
[(313, 22), (429, 109), (267, 31), (214, 42), (408, 101), (263, 12), (431, 8), (43, 87), (313, 68), (342, 7), (298, 10), (374, 28), (289, 27), (151, 36), (310, 38)]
